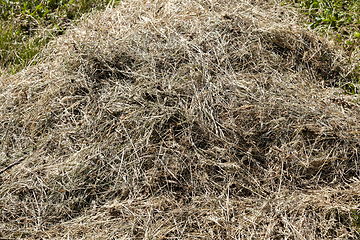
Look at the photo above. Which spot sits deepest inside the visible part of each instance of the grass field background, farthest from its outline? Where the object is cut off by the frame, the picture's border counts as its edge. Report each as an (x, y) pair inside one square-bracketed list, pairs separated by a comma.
[(27, 26)]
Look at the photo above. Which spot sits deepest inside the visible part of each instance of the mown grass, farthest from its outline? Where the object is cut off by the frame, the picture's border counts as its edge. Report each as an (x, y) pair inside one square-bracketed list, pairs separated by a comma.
[(27, 26), (162, 126), (340, 20)]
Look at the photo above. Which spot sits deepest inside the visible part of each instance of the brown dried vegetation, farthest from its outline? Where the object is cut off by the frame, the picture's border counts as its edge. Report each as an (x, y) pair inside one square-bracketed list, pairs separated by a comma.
[(181, 119)]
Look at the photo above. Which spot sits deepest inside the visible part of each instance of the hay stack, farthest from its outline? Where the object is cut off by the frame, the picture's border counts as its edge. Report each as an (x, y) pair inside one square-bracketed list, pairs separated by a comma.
[(181, 119)]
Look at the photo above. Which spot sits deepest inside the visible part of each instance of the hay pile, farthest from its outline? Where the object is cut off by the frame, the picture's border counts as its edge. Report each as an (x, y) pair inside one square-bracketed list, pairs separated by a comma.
[(178, 119)]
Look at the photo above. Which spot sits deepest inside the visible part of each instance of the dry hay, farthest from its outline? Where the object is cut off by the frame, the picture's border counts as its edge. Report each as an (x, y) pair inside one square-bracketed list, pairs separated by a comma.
[(181, 119)]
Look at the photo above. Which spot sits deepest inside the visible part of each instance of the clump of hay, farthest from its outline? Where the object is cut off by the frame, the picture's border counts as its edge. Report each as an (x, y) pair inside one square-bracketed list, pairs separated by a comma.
[(181, 119)]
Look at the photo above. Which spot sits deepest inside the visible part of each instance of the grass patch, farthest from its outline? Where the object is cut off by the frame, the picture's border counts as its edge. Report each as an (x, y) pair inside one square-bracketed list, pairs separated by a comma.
[(339, 18), (27, 26)]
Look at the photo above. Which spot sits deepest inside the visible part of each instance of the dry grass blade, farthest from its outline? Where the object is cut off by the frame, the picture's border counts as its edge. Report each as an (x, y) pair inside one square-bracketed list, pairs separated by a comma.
[(11, 165), (182, 120)]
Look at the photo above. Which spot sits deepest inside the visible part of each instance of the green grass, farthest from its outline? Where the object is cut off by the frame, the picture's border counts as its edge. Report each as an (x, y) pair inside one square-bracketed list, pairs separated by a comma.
[(340, 18), (16, 52), (26, 26), (356, 219)]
